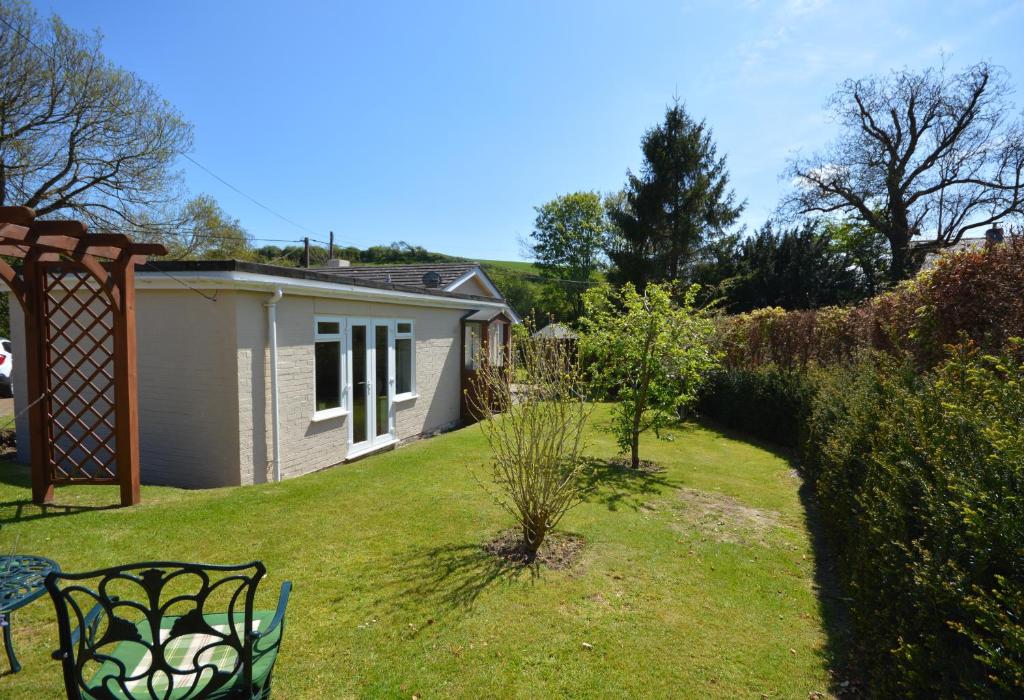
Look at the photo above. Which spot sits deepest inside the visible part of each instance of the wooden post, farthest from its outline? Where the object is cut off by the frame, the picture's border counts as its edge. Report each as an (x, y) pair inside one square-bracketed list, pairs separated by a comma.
[(126, 380), (305, 252), (35, 364), (330, 247)]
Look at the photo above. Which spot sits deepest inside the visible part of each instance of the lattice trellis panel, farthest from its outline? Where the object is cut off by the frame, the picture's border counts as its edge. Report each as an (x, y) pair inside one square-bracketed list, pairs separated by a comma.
[(77, 290), (78, 331)]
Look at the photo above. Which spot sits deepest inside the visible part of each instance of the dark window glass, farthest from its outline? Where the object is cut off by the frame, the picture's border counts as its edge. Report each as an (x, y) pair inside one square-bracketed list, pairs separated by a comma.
[(405, 328), (381, 390), (328, 327), (328, 374), (403, 362), (359, 397)]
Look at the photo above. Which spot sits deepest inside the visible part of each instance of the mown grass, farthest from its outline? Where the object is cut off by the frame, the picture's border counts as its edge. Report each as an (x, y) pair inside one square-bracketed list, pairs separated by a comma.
[(394, 596)]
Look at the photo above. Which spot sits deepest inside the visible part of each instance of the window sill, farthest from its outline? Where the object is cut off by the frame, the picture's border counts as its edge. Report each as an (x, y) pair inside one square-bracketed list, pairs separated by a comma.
[(329, 413), (399, 398)]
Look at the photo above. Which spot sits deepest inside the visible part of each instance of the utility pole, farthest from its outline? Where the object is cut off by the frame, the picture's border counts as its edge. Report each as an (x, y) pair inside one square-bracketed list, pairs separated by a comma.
[(330, 247), (305, 252)]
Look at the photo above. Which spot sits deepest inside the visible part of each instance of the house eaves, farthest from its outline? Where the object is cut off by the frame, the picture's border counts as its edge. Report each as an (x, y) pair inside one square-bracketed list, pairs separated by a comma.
[(246, 276)]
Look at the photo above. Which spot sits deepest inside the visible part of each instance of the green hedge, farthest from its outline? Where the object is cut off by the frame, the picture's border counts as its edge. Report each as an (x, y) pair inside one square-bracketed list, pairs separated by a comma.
[(913, 440), (768, 402), (974, 294), (920, 482)]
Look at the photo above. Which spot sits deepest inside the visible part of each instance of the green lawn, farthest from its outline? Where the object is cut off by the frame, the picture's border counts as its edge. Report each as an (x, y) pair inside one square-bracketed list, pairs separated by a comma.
[(695, 582)]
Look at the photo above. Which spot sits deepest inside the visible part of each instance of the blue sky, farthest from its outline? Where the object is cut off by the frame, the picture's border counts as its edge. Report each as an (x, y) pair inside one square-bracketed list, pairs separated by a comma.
[(444, 124)]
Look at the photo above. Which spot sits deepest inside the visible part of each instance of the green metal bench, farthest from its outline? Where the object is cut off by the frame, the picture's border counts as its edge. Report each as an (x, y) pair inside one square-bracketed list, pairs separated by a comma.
[(166, 631)]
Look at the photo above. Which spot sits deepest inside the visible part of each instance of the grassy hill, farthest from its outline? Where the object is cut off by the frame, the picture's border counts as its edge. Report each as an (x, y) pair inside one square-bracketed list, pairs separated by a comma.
[(511, 265)]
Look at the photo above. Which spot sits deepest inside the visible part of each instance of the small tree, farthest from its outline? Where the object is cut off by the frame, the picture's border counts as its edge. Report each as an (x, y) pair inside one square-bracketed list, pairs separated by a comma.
[(533, 411), (649, 351)]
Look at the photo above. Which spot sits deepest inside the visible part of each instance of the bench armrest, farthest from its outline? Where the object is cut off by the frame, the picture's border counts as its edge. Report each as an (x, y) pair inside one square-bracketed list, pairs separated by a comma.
[(282, 606), (88, 623)]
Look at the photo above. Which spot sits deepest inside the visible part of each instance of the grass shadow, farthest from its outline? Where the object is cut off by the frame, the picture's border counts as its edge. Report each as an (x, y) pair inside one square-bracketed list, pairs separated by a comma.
[(450, 576), (832, 603), (839, 651), (24, 509), (605, 481)]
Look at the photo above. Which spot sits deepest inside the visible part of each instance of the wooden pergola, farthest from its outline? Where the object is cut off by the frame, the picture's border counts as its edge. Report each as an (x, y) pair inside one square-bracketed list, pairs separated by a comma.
[(77, 292)]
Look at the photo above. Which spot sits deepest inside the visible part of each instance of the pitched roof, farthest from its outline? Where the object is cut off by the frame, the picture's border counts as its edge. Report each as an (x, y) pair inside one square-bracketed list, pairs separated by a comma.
[(405, 275), (555, 330)]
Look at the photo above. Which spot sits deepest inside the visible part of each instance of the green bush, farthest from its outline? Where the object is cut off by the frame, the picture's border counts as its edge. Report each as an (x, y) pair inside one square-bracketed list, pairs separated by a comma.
[(768, 401), (920, 483)]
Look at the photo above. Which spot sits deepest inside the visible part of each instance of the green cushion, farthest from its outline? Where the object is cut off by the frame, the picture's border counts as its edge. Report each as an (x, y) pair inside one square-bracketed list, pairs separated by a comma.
[(180, 652)]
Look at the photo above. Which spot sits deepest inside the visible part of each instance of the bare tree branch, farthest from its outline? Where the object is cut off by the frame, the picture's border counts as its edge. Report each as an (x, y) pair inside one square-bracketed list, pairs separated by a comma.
[(921, 154)]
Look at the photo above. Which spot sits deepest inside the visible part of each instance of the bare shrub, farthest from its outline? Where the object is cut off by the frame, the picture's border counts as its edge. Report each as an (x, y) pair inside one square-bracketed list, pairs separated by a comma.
[(533, 411)]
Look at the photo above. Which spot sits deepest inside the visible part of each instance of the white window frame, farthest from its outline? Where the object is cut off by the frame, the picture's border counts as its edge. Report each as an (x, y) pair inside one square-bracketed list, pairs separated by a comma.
[(411, 336), (340, 337)]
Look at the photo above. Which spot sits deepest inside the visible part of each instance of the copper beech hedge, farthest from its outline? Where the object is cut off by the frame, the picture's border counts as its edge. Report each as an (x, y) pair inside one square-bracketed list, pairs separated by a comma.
[(977, 293)]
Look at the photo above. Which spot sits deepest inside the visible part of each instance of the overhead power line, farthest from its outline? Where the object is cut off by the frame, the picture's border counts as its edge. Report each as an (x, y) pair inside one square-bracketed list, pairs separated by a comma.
[(199, 165)]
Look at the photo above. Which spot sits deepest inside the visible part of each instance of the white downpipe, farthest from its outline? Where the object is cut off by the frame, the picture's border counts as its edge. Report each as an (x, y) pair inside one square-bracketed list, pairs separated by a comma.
[(274, 403)]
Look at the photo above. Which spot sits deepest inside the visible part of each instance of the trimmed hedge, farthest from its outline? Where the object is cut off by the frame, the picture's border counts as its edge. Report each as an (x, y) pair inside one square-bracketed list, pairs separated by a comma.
[(770, 402), (974, 294), (920, 482)]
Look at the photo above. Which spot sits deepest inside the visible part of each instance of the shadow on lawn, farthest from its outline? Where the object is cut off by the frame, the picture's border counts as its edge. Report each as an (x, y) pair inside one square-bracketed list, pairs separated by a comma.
[(450, 576), (23, 509), (606, 481), (832, 603)]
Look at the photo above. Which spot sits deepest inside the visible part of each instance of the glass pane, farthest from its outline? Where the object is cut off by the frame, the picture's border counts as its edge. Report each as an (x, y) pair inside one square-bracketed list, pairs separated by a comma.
[(328, 327), (471, 344), (359, 433), (403, 365), (381, 344), (405, 328), (498, 344), (328, 374)]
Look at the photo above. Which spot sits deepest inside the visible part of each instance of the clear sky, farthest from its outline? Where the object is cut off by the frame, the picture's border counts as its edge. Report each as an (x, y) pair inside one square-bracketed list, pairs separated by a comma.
[(444, 124)]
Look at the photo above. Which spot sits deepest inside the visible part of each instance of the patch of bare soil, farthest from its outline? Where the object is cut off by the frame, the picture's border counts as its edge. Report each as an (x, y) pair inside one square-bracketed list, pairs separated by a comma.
[(558, 551), (723, 518), (646, 466)]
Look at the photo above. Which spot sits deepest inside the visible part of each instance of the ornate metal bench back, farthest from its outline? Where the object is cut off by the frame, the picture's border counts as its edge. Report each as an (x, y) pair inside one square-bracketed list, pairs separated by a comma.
[(94, 616)]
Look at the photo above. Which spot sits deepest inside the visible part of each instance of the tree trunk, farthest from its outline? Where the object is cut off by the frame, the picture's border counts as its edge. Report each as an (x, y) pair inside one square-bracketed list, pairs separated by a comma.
[(900, 267), (635, 446), (533, 537)]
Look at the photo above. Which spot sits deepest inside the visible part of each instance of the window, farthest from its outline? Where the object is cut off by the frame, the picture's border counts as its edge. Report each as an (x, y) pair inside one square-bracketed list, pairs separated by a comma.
[(471, 344), (496, 343), (329, 362), (405, 360)]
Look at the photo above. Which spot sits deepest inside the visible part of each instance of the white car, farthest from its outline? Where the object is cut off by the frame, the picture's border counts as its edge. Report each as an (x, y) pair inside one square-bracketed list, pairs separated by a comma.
[(6, 362)]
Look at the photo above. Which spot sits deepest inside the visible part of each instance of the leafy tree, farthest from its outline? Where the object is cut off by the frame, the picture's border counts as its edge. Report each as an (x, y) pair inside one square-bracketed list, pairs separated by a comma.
[(534, 414), (921, 154), (817, 264), (649, 351), (568, 244), (798, 268), (867, 251), (209, 233), (80, 137), (675, 206)]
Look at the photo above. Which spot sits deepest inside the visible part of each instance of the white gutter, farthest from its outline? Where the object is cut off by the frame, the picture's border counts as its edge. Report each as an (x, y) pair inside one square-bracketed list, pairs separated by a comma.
[(274, 403)]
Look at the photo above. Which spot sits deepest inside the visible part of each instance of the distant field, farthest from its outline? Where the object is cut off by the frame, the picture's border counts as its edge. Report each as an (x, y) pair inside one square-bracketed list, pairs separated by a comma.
[(513, 265)]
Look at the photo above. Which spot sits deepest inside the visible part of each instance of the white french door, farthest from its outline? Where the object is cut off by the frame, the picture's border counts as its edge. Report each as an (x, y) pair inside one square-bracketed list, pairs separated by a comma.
[(371, 364)]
